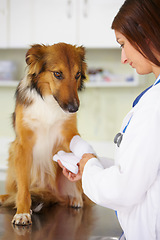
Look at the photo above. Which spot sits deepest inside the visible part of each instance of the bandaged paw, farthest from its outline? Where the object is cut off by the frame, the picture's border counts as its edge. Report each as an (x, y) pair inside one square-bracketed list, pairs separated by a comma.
[(79, 147), (68, 160)]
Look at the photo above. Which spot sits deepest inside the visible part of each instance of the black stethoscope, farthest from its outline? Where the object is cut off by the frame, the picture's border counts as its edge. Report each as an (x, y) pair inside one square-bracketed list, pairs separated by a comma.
[(119, 136)]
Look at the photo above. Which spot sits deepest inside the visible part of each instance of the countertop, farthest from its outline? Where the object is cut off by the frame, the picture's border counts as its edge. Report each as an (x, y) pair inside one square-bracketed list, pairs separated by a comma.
[(62, 223)]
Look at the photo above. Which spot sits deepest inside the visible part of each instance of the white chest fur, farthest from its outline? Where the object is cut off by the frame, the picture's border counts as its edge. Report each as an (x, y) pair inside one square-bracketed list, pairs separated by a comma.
[(45, 118)]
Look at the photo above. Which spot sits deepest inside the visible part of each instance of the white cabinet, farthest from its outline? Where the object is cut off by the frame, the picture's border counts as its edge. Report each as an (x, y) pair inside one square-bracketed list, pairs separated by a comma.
[(86, 22), (3, 23), (20, 23), (82, 22), (54, 21), (95, 21), (41, 21)]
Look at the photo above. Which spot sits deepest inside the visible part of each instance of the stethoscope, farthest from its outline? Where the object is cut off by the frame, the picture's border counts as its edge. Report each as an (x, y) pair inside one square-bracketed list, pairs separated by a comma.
[(119, 136)]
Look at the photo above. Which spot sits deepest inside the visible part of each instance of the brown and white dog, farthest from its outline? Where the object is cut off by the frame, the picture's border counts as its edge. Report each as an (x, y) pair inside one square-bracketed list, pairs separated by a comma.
[(45, 122)]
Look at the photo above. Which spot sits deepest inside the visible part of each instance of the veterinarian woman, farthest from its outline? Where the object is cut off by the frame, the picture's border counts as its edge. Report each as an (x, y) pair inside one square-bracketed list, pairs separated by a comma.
[(132, 185)]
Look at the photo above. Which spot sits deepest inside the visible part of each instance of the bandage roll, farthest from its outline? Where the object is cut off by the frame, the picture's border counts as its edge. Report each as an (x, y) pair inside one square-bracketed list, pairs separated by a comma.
[(68, 160), (79, 147)]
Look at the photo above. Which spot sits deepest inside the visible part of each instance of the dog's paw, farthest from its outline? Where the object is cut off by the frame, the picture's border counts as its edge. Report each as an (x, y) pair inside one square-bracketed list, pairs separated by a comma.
[(22, 219), (76, 202)]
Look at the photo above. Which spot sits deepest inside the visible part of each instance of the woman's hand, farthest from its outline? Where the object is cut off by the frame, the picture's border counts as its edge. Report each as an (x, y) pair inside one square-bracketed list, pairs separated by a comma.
[(71, 176), (75, 177), (84, 160)]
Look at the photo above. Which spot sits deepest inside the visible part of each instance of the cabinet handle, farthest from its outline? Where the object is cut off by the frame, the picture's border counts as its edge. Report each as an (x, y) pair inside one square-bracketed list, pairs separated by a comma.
[(85, 9), (69, 8)]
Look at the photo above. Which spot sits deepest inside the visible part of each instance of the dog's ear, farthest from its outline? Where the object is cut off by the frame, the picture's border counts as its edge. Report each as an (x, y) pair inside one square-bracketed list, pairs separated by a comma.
[(34, 59), (81, 51)]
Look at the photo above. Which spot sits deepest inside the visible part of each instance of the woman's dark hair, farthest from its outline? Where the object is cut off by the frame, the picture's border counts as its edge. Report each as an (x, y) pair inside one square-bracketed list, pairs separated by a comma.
[(139, 22)]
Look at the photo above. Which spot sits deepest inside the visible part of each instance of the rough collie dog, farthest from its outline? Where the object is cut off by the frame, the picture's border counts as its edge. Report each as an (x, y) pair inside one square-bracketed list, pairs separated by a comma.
[(45, 122)]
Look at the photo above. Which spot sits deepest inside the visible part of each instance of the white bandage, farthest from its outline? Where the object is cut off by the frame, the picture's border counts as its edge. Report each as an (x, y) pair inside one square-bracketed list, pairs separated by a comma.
[(79, 147), (68, 160)]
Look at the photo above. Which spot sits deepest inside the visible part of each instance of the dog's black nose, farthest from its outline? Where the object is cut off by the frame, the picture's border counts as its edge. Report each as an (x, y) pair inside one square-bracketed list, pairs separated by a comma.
[(73, 107)]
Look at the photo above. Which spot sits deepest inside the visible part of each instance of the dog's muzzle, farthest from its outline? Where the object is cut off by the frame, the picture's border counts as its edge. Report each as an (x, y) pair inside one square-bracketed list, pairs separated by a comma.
[(71, 106)]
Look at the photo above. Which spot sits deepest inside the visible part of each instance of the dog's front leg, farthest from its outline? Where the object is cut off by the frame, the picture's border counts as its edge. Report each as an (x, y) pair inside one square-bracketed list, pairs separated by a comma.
[(23, 161)]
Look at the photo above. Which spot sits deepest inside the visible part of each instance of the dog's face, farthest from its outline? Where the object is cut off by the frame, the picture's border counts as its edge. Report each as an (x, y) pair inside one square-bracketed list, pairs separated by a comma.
[(57, 70)]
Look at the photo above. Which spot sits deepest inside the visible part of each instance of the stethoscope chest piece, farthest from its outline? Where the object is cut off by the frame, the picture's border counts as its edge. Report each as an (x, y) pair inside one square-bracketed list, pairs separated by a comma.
[(118, 139), (119, 136)]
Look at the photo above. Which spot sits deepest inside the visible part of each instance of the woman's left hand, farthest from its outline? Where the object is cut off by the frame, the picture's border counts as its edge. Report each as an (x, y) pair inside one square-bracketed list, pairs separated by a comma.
[(71, 176), (75, 177)]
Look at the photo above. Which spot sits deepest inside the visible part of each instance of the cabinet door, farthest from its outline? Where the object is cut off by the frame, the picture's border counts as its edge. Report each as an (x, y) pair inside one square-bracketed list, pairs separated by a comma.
[(42, 21), (54, 21), (3, 23), (96, 17), (20, 23)]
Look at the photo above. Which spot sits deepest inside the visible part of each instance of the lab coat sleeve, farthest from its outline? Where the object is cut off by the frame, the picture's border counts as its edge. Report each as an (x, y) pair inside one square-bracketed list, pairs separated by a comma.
[(126, 184), (106, 162), (100, 183)]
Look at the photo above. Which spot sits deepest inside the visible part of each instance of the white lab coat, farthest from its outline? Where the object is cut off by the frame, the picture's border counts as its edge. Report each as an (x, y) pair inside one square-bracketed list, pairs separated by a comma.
[(132, 185)]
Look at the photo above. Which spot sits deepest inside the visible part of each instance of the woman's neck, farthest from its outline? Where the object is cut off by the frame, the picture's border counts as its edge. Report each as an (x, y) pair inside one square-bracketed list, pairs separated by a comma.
[(156, 71)]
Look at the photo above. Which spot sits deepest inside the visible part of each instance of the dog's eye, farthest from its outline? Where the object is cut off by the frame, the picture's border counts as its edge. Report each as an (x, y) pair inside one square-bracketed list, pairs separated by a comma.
[(77, 75), (58, 75)]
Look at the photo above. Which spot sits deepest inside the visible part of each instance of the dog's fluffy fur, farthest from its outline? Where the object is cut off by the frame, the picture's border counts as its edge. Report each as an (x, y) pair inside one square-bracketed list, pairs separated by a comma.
[(45, 122)]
